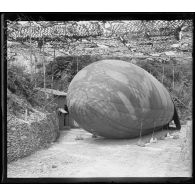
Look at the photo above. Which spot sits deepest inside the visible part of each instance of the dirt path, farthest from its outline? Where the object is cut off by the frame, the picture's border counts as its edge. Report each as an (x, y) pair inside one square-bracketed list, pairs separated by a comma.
[(89, 157)]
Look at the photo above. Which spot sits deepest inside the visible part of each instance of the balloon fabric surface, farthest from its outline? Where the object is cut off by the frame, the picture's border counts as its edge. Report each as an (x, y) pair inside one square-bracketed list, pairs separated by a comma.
[(117, 99)]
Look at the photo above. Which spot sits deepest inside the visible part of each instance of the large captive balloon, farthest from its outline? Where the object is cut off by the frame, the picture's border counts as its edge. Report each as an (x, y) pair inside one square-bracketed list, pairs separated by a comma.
[(117, 99)]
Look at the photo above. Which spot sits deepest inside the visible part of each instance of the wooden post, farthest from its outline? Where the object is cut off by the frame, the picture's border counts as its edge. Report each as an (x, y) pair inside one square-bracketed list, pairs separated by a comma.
[(35, 73), (173, 77), (35, 76), (31, 53), (77, 64), (54, 58), (43, 66), (68, 122), (163, 74)]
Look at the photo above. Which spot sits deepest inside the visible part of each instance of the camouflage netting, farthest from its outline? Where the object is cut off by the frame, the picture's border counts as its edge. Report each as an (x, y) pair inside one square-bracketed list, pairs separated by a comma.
[(186, 146), (83, 38), (155, 36), (25, 137)]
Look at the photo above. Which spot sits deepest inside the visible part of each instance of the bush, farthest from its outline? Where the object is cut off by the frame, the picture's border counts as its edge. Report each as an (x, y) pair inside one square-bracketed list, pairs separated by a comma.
[(182, 91), (19, 83)]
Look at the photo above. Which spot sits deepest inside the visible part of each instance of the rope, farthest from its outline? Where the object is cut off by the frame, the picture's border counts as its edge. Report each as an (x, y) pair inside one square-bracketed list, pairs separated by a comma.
[(140, 130), (153, 129)]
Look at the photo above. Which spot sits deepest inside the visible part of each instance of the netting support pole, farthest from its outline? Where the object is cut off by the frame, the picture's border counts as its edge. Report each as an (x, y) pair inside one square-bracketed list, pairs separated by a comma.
[(77, 64), (43, 66), (31, 53), (163, 74), (54, 58), (173, 77)]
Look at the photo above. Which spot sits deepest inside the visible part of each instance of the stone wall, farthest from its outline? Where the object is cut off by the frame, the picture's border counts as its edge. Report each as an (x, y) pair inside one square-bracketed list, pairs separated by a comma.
[(25, 137)]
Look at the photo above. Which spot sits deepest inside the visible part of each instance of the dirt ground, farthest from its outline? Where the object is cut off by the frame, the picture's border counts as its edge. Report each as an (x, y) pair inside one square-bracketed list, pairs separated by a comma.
[(77, 154)]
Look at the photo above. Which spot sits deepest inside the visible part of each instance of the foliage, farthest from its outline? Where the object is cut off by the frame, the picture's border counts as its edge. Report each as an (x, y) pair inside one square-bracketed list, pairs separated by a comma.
[(64, 68), (181, 92), (19, 83), (22, 94)]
